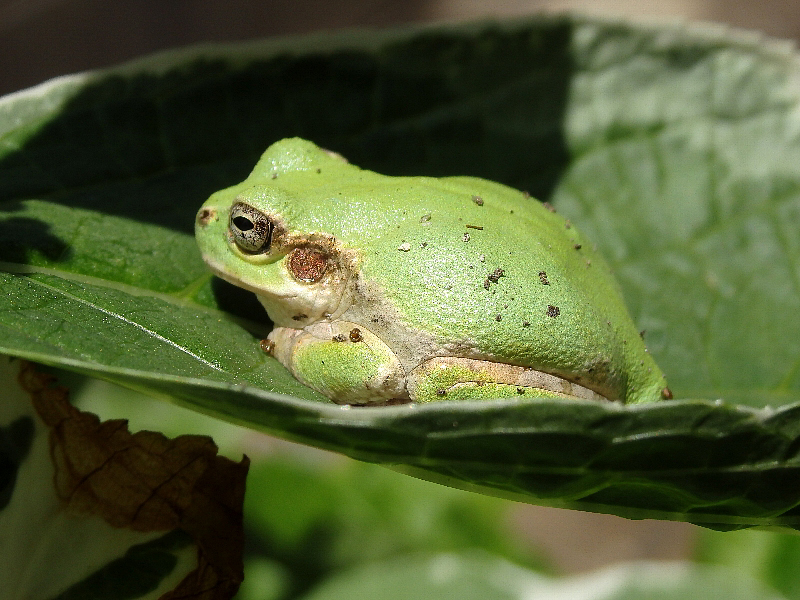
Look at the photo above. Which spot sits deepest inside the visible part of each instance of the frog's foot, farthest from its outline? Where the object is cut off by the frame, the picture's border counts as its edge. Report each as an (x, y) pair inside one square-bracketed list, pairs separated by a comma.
[(342, 360), (452, 378)]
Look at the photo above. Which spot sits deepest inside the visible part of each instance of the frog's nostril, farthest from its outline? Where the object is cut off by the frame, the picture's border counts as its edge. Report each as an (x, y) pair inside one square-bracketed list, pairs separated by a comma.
[(206, 215)]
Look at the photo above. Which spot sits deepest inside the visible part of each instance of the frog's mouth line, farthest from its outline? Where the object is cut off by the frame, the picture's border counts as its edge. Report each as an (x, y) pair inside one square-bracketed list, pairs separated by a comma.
[(219, 272)]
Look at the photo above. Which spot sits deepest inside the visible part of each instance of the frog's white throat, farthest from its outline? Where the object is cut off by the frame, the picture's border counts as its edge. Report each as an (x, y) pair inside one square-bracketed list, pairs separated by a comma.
[(298, 304), (306, 307)]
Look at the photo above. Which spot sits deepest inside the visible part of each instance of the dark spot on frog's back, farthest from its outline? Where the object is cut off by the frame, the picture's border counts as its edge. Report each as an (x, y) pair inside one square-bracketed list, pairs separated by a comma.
[(495, 276), (553, 311)]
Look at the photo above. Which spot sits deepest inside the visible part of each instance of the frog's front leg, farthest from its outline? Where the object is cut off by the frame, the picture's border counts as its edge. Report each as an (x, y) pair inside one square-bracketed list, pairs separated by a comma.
[(453, 378), (342, 360)]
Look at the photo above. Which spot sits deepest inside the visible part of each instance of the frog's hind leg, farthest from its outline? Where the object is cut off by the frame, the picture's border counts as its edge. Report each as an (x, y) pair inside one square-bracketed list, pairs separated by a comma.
[(345, 362), (452, 378)]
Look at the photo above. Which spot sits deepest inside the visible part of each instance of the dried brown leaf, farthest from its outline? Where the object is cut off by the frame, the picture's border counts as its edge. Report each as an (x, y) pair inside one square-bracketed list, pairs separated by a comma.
[(147, 482)]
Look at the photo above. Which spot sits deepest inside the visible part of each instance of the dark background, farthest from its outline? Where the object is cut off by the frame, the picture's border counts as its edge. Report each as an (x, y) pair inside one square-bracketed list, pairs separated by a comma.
[(40, 39)]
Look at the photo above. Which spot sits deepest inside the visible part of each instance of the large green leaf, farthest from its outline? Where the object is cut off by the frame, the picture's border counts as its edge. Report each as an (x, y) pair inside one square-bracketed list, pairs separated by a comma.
[(675, 149)]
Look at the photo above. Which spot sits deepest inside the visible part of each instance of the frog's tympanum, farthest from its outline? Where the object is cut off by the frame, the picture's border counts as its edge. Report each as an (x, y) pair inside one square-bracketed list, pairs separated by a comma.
[(386, 289)]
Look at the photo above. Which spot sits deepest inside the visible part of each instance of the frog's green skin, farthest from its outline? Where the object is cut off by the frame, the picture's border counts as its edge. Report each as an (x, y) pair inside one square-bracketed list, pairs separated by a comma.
[(397, 289)]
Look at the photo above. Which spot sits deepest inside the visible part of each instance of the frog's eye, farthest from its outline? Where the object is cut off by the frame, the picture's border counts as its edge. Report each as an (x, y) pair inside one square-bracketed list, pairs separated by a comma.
[(250, 228)]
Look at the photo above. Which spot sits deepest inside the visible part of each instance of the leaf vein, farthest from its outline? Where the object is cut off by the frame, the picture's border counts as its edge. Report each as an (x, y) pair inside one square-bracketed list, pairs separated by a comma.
[(130, 322)]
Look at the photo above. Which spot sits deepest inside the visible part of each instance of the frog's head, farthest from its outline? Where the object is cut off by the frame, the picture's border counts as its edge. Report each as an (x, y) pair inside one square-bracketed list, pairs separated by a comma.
[(256, 235)]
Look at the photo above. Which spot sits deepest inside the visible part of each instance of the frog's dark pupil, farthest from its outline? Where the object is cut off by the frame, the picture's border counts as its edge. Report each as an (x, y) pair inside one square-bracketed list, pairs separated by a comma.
[(243, 223)]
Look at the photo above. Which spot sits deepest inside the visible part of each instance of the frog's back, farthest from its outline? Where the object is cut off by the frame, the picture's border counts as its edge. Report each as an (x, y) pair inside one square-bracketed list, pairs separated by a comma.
[(474, 267), (489, 270)]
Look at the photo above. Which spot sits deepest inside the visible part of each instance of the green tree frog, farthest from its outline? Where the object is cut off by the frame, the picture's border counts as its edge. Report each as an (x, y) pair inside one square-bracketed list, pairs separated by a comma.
[(388, 290)]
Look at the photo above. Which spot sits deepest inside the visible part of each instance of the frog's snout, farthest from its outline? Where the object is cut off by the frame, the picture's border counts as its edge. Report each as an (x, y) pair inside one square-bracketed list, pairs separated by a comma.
[(206, 216)]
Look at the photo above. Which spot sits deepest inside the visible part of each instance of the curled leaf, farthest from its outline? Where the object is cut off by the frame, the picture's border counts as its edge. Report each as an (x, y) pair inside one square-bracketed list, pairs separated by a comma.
[(146, 482)]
